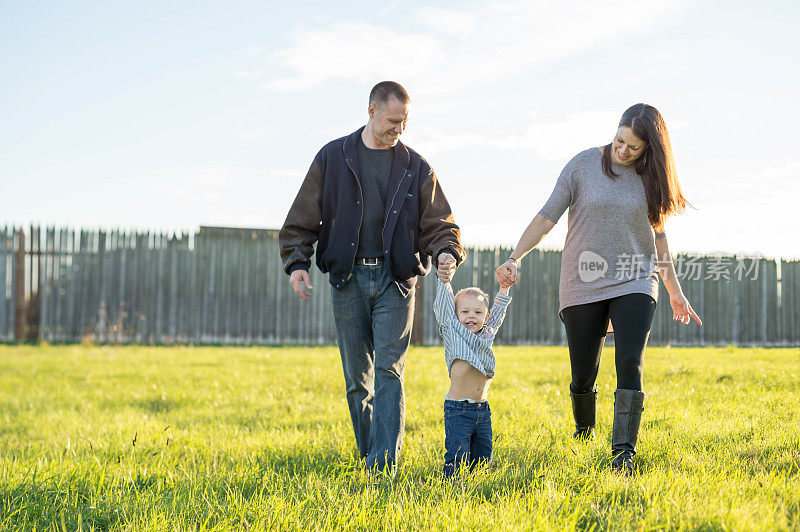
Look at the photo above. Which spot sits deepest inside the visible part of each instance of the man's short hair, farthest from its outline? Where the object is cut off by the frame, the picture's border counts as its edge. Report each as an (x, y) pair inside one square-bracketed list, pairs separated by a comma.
[(380, 93)]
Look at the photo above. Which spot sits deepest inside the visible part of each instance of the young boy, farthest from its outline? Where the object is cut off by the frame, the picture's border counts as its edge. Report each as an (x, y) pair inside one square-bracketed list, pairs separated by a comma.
[(468, 329)]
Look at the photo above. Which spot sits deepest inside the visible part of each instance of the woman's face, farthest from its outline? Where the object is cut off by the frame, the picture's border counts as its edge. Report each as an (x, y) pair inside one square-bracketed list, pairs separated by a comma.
[(626, 147)]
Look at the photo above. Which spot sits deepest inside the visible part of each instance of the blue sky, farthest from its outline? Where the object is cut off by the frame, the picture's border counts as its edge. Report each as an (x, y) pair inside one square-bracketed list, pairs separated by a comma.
[(169, 115)]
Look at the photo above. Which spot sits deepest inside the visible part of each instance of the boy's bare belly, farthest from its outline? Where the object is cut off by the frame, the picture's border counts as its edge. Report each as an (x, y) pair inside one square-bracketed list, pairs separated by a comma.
[(467, 382)]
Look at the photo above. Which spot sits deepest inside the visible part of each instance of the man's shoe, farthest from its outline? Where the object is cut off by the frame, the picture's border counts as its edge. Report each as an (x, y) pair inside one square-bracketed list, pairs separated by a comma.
[(622, 463)]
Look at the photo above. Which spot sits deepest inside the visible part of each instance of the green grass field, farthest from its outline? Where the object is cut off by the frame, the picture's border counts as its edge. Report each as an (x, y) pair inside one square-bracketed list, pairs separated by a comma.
[(156, 438)]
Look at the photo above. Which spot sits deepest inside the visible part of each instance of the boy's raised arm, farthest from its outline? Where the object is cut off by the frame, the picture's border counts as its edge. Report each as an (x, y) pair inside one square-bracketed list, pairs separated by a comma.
[(498, 312), (444, 306)]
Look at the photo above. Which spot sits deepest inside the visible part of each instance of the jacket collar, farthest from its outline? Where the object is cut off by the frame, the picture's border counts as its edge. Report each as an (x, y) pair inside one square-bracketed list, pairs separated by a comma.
[(401, 155)]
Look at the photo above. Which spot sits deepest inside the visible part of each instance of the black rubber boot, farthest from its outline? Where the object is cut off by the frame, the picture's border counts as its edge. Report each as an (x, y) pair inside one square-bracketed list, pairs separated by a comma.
[(584, 411), (628, 408)]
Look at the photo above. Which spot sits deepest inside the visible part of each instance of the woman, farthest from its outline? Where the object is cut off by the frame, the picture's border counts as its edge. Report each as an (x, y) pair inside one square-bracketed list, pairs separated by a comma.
[(619, 197)]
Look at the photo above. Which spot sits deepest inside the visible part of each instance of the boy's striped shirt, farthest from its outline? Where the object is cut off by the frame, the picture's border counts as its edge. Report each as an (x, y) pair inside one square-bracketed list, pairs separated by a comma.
[(460, 342)]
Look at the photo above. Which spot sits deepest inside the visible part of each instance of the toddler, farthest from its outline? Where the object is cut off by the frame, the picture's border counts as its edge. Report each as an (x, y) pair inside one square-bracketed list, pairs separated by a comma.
[(468, 329)]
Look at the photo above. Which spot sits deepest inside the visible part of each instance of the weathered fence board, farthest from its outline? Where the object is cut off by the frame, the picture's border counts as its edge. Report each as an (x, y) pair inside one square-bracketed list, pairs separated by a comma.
[(6, 287), (226, 285)]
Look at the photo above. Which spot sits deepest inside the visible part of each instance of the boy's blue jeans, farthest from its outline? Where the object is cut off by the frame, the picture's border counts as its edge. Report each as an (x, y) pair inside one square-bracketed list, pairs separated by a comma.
[(467, 435), (373, 330)]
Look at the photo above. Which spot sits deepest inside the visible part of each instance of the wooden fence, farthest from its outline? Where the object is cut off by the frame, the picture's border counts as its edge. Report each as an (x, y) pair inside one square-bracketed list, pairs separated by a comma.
[(225, 285)]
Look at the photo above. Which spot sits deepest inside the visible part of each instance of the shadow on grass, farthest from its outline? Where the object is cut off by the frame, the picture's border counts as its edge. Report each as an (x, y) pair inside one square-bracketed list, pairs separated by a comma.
[(95, 500), (300, 462), (36, 505), (783, 459), (157, 405), (518, 470), (750, 448)]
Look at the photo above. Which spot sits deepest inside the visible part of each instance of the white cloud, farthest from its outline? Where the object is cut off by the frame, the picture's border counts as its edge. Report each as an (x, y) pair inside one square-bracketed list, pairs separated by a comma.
[(447, 21), (285, 173), (389, 8), (551, 140), (745, 211), (354, 51), (559, 140), (456, 49), (212, 180), (760, 188), (258, 136), (248, 74), (786, 173), (207, 193)]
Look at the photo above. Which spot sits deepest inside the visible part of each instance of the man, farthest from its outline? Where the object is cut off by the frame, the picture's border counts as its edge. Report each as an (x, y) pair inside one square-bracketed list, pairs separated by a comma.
[(376, 211)]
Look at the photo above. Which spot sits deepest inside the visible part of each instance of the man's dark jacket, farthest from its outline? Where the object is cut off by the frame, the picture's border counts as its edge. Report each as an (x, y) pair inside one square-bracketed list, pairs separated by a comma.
[(328, 209)]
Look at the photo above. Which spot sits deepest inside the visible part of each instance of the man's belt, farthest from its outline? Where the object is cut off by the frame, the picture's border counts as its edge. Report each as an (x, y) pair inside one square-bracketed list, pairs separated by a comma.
[(369, 261)]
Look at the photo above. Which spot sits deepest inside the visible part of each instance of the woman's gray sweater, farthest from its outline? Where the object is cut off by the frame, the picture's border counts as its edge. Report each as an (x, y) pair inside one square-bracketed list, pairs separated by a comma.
[(610, 248)]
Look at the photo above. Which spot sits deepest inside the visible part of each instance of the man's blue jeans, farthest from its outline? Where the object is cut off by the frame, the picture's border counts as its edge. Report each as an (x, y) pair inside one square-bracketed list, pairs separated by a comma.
[(467, 435), (373, 329)]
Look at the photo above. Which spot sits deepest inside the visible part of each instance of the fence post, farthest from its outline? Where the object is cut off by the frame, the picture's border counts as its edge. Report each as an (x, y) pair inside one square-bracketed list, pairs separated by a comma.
[(20, 304), (34, 302)]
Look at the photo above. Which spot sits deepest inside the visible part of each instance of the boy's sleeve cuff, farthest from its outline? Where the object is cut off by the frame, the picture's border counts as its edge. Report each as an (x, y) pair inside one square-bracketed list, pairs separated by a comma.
[(502, 299)]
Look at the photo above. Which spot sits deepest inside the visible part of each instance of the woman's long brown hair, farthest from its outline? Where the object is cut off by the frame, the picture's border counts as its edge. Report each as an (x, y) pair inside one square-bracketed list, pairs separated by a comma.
[(656, 165)]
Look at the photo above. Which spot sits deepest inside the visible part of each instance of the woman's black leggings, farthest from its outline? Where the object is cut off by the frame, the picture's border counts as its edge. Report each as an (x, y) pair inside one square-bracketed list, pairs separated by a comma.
[(586, 325)]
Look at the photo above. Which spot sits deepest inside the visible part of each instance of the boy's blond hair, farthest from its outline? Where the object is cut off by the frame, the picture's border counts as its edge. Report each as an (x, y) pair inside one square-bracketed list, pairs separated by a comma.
[(473, 291)]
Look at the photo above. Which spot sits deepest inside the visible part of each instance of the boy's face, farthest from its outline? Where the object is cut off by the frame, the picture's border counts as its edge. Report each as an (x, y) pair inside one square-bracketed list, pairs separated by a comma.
[(471, 311)]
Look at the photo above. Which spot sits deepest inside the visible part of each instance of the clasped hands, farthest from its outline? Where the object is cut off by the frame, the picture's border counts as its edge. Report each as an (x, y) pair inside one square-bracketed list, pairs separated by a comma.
[(447, 267), (507, 273)]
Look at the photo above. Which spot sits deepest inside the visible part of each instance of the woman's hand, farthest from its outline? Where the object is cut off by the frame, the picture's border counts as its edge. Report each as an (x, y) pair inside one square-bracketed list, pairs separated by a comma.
[(682, 311), (533, 234), (507, 273)]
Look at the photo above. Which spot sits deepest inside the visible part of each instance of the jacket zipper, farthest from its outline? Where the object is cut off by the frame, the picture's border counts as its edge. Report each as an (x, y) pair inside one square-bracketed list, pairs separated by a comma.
[(386, 219), (361, 193)]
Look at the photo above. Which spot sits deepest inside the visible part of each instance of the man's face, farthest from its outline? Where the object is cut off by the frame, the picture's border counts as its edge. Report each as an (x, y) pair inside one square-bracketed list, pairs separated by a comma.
[(388, 121)]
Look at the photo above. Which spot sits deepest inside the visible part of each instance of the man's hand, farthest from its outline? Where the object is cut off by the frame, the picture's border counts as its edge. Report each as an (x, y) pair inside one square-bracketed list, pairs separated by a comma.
[(301, 284), (447, 267)]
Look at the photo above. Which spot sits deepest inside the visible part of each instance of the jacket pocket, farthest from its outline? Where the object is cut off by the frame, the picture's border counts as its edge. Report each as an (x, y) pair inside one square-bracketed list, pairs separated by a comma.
[(329, 245)]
